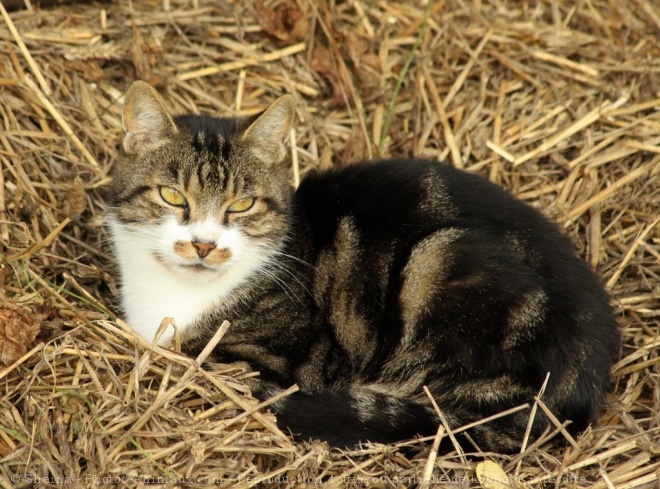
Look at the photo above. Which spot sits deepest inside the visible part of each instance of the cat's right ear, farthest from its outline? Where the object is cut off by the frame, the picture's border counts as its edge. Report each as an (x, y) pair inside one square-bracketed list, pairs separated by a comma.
[(146, 122), (269, 132)]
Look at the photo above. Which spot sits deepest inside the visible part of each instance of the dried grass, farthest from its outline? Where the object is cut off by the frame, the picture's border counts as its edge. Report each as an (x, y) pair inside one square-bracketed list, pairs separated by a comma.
[(555, 100)]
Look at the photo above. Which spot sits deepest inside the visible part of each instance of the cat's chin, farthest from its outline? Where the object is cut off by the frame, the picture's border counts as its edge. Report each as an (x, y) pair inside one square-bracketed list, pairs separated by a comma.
[(198, 267)]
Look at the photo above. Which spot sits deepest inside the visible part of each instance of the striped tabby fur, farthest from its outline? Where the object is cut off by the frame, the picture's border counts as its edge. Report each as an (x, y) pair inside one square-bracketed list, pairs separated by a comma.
[(364, 285)]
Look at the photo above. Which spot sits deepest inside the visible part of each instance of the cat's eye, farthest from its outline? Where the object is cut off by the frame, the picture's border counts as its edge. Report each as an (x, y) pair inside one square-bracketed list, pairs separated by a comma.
[(242, 205), (173, 196)]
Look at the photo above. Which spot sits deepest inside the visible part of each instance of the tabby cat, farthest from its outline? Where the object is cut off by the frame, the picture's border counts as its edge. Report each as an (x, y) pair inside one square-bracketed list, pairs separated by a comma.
[(367, 283)]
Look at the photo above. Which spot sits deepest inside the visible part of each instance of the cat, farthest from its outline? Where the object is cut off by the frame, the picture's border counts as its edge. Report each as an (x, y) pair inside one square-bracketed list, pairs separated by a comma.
[(362, 286)]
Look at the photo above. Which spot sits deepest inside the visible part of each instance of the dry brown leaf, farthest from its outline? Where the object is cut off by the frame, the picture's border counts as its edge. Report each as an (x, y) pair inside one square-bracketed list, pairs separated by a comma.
[(144, 58), (90, 69), (322, 63), (366, 64), (286, 23), (18, 329), (77, 199), (5, 449)]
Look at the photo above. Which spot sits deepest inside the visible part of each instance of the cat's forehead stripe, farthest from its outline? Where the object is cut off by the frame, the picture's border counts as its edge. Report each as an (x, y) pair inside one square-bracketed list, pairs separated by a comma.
[(225, 148), (208, 169), (213, 147), (203, 144)]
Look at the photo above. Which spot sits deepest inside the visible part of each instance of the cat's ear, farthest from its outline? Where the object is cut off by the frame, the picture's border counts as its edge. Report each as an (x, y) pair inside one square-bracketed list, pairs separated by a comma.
[(268, 134), (146, 122)]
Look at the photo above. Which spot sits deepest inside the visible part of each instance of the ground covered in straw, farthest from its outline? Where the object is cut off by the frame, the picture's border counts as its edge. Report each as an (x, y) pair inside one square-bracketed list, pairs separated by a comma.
[(555, 100)]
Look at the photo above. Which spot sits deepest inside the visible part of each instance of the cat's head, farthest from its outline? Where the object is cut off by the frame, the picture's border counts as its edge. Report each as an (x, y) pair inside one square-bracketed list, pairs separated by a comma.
[(201, 195)]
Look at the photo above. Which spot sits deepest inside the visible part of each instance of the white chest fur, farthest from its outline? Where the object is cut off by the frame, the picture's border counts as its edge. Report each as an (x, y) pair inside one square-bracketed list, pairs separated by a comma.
[(152, 291)]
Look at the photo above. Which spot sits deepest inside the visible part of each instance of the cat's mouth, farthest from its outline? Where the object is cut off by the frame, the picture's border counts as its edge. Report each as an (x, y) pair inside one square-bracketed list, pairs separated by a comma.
[(198, 267)]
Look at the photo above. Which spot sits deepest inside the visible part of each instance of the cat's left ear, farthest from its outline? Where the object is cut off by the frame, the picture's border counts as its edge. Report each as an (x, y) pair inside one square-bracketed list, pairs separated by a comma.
[(268, 134)]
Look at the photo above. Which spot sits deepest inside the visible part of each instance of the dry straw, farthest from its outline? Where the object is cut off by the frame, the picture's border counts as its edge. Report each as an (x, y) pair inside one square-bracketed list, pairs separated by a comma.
[(555, 100)]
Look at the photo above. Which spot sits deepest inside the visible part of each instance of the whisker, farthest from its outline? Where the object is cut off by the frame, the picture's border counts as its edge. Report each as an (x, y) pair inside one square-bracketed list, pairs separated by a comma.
[(295, 258), (291, 272), (288, 291)]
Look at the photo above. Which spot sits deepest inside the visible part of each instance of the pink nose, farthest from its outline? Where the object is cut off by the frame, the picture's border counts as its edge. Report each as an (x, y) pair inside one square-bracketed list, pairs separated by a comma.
[(203, 249)]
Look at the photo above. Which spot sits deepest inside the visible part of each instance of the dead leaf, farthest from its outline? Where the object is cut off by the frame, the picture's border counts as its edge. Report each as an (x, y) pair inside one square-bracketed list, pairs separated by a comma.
[(18, 330), (198, 451), (76, 202), (286, 23), (90, 69), (492, 476), (321, 62), (144, 58), (5, 449), (366, 63)]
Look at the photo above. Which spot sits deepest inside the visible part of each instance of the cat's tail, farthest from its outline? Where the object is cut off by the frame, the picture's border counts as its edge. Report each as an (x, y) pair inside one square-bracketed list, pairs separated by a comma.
[(345, 418)]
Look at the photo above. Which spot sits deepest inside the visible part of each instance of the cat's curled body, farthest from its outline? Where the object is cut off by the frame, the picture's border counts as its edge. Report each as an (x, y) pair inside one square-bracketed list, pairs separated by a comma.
[(366, 284)]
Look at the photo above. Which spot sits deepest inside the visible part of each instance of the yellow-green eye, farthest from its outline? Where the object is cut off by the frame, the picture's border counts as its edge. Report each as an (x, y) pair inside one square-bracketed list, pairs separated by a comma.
[(242, 205), (173, 196)]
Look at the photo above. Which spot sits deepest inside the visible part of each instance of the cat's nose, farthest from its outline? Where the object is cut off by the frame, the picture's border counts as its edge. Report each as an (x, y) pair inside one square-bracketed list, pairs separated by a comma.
[(203, 249)]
